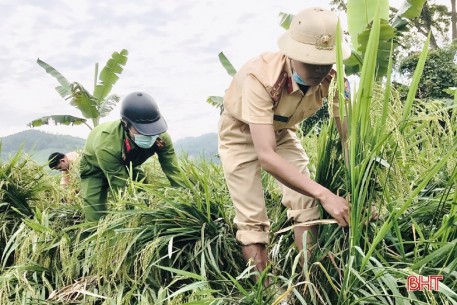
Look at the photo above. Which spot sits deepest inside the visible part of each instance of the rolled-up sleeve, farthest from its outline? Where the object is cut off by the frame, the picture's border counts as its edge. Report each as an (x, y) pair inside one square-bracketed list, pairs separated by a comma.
[(169, 161)]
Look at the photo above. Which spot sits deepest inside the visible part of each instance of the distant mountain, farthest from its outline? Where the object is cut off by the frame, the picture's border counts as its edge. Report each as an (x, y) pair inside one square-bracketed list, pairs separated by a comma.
[(38, 144), (204, 146), (41, 144)]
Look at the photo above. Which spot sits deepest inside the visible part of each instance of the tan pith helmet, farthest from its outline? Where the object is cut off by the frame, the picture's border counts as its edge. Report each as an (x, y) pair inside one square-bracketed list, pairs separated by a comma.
[(311, 37)]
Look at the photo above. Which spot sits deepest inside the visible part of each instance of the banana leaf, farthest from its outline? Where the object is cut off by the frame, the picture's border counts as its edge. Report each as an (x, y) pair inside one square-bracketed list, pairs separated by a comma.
[(109, 75), (227, 64), (410, 9), (360, 13), (84, 101), (286, 19), (386, 35), (57, 119), (108, 104), (216, 101), (64, 89)]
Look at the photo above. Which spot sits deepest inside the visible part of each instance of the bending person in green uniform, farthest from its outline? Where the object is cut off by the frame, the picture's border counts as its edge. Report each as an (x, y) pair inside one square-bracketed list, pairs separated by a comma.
[(114, 147)]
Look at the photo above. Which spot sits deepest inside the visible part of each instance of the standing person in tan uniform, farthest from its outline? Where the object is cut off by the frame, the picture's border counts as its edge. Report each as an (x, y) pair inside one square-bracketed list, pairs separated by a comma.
[(63, 162), (267, 98)]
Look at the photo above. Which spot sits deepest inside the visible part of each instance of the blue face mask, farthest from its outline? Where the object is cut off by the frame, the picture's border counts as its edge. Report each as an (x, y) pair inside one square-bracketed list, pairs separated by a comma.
[(144, 141), (298, 79)]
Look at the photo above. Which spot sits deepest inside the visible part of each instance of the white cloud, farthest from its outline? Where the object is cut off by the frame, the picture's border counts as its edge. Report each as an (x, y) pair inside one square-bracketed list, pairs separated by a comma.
[(173, 47)]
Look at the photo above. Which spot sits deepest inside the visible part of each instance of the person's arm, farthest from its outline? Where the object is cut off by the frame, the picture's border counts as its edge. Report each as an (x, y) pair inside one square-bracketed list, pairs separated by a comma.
[(168, 160), (114, 170), (65, 179), (264, 140)]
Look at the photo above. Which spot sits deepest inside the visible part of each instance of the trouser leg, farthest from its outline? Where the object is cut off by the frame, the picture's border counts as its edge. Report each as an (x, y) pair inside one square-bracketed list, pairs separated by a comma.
[(244, 184), (301, 208), (242, 175), (95, 193)]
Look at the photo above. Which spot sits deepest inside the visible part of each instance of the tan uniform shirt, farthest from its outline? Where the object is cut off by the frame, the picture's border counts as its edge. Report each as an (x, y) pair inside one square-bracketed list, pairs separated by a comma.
[(262, 92)]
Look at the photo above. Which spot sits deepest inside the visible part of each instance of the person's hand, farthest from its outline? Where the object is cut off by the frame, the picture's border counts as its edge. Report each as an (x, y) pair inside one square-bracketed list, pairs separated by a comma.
[(337, 207)]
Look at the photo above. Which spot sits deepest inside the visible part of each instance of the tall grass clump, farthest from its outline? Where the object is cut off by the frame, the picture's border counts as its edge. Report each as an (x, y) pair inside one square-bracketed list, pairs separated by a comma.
[(159, 245), (24, 185)]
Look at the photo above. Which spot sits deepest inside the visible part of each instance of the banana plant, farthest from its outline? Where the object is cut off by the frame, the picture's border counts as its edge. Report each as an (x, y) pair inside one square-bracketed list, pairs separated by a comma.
[(92, 106), (218, 101), (360, 15)]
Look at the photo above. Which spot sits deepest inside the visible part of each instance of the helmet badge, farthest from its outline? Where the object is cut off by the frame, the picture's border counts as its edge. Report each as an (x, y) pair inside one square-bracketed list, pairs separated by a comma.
[(325, 42)]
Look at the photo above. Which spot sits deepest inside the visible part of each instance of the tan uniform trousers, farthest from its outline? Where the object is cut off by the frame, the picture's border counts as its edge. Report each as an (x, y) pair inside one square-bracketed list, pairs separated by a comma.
[(243, 176)]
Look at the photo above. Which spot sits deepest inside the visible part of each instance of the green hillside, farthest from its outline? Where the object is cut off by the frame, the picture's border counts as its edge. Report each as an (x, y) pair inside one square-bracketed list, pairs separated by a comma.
[(204, 146), (41, 144), (38, 144)]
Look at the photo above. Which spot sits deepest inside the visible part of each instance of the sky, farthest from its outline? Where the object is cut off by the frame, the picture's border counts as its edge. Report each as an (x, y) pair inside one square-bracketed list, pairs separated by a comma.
[(173, 50)]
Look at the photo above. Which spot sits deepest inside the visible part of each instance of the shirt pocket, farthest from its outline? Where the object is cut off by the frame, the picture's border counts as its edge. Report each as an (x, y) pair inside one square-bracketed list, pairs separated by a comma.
[(285, 110)]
